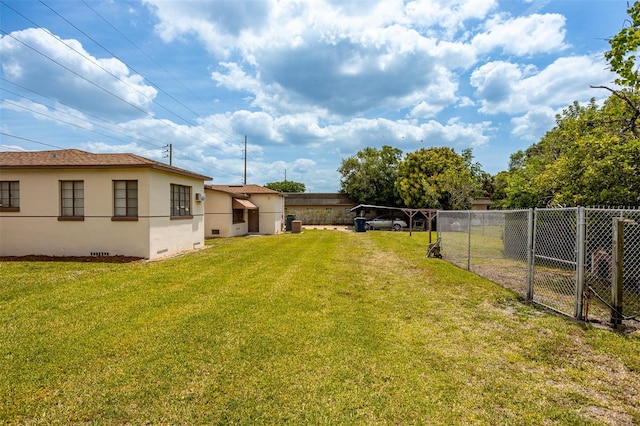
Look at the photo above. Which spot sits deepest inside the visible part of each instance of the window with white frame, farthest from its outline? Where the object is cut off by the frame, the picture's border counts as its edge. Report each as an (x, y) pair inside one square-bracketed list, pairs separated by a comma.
[(9, 195)]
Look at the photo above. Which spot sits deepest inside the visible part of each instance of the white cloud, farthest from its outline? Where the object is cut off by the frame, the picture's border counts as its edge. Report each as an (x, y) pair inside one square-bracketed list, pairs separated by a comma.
[(523, 36), (504, 87), (72, 76), (534, 124)]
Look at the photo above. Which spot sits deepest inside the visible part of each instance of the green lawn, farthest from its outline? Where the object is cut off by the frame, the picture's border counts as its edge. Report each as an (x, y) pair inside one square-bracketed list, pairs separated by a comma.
[(323, 327)]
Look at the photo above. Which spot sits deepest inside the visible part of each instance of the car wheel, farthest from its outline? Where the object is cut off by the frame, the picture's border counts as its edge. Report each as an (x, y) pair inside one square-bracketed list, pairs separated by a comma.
[(396, 227)]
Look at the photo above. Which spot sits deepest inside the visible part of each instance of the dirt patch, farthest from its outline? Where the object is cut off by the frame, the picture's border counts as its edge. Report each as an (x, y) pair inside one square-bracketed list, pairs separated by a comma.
[(93, 259)]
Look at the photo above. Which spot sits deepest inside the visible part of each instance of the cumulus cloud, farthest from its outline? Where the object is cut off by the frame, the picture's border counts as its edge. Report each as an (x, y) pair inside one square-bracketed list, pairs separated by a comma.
[(522, 36), (64, 71), (534, 124), (504, 87)]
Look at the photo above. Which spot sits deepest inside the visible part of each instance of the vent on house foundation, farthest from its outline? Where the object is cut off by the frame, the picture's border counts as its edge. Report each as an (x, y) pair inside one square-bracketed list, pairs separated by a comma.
[(215, 232), (99, 253), (162, 251)]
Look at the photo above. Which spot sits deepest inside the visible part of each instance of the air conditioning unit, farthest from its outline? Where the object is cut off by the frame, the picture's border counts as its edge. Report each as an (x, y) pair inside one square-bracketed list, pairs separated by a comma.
[(200, 197)]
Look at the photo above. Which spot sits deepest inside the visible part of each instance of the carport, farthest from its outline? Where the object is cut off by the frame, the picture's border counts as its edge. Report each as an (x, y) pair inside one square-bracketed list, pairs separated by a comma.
[(411, 213)]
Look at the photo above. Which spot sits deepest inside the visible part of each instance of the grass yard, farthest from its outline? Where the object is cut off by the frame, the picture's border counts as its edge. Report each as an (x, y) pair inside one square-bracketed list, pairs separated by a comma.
[(323, 327)]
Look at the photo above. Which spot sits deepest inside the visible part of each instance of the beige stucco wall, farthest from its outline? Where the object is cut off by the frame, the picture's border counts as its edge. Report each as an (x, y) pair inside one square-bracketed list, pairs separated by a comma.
[(219, 216), (168, 236), (271, 212), (35, 229)]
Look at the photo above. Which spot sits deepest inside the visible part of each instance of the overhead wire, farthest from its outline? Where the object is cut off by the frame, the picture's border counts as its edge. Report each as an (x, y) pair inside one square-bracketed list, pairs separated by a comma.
[(206, 122), (120, 128), (161, 68), (29, 140), (166, 123), (156, 86), (70, 123)]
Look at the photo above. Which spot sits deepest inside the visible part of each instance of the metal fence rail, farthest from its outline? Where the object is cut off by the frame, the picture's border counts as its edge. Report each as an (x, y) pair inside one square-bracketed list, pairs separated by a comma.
[(582, 262)]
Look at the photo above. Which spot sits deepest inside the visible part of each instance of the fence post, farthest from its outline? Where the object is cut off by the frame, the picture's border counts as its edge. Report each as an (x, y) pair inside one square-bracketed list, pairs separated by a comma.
[(530, 251), (469, 242), (580, 261), (617, 269)]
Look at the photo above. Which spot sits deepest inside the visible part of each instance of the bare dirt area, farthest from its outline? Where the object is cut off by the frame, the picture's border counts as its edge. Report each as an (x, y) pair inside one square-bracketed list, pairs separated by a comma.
[(93, 259)]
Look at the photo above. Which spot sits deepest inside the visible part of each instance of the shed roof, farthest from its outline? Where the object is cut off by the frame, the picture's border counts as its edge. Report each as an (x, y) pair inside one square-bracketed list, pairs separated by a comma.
[(243, 189), (75, 158)]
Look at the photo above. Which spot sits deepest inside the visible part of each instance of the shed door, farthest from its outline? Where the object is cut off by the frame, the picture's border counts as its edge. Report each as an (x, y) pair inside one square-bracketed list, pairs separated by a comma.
[(254, 221)]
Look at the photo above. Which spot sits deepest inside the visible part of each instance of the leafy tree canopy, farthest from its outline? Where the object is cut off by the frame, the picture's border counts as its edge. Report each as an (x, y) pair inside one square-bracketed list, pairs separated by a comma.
[(286, 186), (369, 176), (439, 178), (621, 57), (588, 158)]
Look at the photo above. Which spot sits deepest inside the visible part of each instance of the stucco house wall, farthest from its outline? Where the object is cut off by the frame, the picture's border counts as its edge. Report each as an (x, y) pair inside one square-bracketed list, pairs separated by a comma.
[(219, 205), (218, 216), (271, 210), (37, 228)]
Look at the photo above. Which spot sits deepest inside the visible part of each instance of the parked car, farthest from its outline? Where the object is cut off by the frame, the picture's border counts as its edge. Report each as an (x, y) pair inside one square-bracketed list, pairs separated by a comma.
[(385, 222)]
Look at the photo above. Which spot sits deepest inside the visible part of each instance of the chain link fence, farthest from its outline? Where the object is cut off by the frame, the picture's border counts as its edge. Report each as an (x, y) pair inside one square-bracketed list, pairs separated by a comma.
[(581, 262)]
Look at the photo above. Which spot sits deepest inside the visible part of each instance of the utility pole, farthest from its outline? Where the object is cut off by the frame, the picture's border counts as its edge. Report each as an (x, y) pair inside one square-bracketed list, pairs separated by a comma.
[(245, 159), (168, 152)]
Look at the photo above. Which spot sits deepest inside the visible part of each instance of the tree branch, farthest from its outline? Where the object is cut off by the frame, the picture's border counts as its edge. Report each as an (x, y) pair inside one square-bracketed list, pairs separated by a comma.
[(631, 122)]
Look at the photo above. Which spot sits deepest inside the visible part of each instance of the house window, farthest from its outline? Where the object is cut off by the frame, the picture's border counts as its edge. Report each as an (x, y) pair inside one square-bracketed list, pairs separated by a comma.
[(72, 199), (9, 196), (180, 201), (238, 215), (125, 199)]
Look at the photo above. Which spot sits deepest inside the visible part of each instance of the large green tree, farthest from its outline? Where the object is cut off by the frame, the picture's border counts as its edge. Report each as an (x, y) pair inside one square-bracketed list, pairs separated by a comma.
[(439, 178), (590, 157), (286, 186), (369, 176), (624, 45)]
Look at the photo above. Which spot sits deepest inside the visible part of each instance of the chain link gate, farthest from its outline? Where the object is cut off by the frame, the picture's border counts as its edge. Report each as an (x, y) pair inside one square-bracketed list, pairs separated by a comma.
[(564, 259), (555, 259), (602, 273)]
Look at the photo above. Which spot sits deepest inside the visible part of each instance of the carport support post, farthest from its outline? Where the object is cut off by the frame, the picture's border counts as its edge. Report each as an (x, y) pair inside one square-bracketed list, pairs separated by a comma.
[(617, 271)]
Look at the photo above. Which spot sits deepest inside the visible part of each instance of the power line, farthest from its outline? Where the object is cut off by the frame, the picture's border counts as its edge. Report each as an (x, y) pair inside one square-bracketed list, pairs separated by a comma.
[(30, 140), (160, 67), (167, 123), (76, 118), (122, 130)]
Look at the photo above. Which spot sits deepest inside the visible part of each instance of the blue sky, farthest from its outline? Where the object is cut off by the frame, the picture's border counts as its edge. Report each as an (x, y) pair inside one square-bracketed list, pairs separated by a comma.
[(308, 82)]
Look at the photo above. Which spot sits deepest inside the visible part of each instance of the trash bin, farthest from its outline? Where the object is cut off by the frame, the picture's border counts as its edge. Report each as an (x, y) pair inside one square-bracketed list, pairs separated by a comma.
[(296, 226), (289, 220), (359, 224)]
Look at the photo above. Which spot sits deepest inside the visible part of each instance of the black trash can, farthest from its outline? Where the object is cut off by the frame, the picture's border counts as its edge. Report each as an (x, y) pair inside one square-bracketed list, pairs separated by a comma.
[(289, 222), (359, 224)]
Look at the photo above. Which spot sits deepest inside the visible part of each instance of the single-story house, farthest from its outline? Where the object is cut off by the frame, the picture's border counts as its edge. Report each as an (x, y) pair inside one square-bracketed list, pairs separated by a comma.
[(232, 210), (320, 208), (75, 203)]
